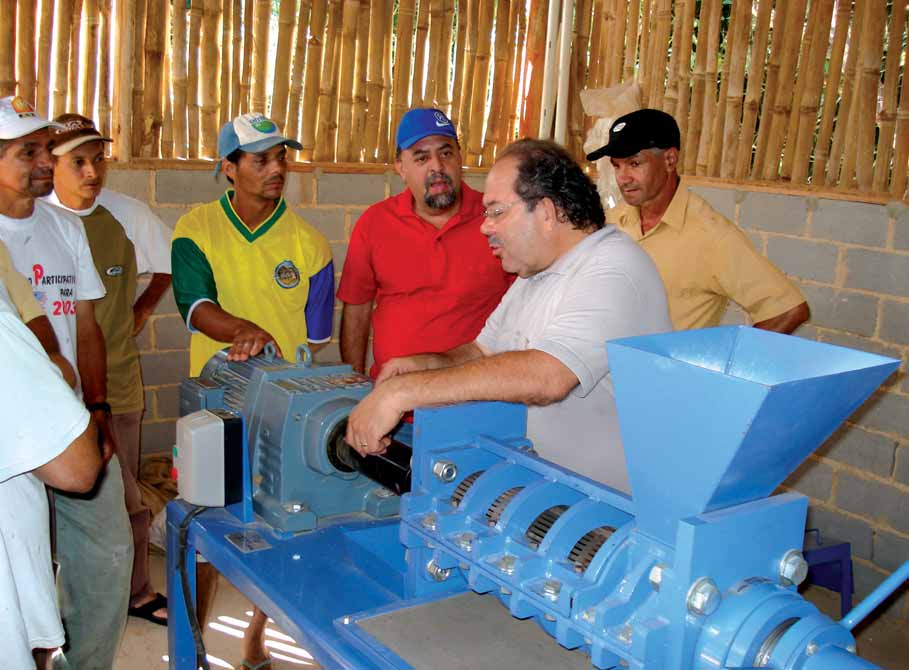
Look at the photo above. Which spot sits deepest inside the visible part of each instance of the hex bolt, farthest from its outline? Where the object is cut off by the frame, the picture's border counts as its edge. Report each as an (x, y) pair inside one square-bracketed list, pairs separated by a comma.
[(589, 615), (507, 563), (437, 573), (703, 597), (505, 591), (294, 508), (465, 540), (445, 471), (549, 617), (625, 635), (811, 649), (793, 568), (429, 521), (656, 576), (551, 589), (850, 648)]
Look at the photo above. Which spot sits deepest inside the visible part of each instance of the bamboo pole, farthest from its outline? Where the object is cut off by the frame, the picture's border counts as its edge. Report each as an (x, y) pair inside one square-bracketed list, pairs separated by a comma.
[(45, 33), (210, 67), (536, 54), (434, 84), (236, 57), (155, 34), (261, 27), (566, 30), (90, 52), (25, 48), (659, 49), (848, 102), (696, 117), (714, 147), (327, 123), (547, 98), (480, 84), (385, 147), (123, 112), (378, 23), (617, 45), (710, 97), (104, 70), (402, 61), (898, 180), (579, 74), (797, 159), (226, 62), (831, 87), (753, 92), (601, 22), (520, 76), (281, 85), (296, 79), (863, 135), (683, 93), (75, 51), (460, 57), (773, 72), (350, 14), (473, 33), (62, 20), (192, 98), (644, 55), (891, 90), (442, 98), (358, 133), (631, 40), (331, 135), (671, 96), (167, 126), (419, 58), (512, 76), (138, 62), (314, 67), (246, 76), (496, 104), (734, 83), (181, 138)]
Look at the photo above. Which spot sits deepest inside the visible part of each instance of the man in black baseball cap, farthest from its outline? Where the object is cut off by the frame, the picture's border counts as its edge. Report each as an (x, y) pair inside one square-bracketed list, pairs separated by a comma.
[(705, 260)]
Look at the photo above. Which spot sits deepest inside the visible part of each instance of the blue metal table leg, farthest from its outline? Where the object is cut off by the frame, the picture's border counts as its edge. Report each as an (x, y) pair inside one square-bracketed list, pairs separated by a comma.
[(180, 648)]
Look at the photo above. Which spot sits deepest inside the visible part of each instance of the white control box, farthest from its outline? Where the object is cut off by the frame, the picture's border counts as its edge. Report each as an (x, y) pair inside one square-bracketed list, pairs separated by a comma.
[(199, 459)]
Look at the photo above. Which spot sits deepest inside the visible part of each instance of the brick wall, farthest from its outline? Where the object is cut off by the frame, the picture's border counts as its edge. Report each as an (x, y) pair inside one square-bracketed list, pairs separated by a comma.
[(850, 259)]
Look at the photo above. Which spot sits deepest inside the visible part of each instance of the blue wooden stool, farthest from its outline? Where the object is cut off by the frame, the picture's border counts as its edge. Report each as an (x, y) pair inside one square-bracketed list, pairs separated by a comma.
[(830, 566)]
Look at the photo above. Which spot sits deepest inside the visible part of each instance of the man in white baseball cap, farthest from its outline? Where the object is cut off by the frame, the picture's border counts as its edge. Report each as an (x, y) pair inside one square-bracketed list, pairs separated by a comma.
[(49, 247)]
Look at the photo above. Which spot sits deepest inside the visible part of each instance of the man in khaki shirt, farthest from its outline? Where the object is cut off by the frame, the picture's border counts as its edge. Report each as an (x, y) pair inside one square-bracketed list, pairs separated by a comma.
[(704, 259)]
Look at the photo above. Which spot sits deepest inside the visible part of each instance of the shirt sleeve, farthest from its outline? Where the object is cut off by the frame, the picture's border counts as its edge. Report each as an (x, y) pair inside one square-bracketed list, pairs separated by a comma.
[(320, 304), (88, 283), (751, 280), (32, 388), (358, 279), (20, 291), (585, 320), (193, 279), (148, 233)]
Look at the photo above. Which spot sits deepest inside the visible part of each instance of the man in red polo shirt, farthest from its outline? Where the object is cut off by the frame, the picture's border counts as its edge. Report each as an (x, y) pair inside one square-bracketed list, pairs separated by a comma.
[(419, 256)]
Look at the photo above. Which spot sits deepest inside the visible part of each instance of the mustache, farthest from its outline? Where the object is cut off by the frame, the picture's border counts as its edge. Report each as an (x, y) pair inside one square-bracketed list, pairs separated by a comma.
[(42, 173), (494, 241), (435, 177)]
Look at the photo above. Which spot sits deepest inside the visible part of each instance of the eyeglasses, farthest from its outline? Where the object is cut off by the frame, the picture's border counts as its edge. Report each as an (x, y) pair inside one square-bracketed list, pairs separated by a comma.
[(498, 210)]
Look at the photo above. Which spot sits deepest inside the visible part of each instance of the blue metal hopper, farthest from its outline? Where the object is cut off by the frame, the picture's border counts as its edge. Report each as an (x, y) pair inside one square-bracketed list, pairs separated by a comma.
[(719, 417)]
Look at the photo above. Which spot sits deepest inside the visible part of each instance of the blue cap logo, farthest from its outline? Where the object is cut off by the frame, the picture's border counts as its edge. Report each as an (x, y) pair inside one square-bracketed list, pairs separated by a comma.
[(419, 123)]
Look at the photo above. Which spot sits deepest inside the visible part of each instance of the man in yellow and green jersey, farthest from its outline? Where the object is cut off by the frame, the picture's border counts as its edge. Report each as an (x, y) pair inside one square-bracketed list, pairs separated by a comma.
[(246, 269)]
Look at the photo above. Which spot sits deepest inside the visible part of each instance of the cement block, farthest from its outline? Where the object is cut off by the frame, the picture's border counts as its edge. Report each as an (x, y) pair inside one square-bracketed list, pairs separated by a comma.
[(328, 355), (143, 340), (476, 180), (134, 183), (167, 402), (774, 213), (842, 310), (339, 254), (861, 449), (350, 189), (877, 271), (170, 333), (901, 466), (328, 221), (300, 188), (835, 525), (149, 404), (803, 258), (895, 322), (813, 478), (188, 186), (871, 346), (758, 240), (721, 199), (867, 579), (885, 412), (158, 437), (164, 368), (170, 215), (395, 183), (873, 500), (167, 305), (852, 222), (890, 551), (901, 229), (808, 332)]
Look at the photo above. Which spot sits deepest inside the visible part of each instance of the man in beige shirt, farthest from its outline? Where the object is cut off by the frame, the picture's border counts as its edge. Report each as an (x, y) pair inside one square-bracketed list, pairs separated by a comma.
[(704, 259)]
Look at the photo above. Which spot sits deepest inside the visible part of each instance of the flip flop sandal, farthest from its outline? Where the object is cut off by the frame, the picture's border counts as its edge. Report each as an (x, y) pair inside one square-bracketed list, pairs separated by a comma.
[(147, 611)]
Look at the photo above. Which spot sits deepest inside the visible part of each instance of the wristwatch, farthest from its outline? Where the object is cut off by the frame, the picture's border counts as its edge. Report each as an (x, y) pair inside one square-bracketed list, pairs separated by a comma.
[(102, 406)]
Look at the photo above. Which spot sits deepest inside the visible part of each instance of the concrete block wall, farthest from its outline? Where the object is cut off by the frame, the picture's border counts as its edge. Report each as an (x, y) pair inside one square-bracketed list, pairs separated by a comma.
[(851, 260)]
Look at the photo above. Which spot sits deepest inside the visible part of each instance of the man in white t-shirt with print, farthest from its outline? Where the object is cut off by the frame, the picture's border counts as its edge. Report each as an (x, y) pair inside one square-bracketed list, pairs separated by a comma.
[(126, 240), (62, 453), (49, 247)]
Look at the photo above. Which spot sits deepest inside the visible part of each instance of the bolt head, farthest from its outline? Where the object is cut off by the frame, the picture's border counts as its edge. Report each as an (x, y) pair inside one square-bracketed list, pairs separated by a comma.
[(656, 576), (811, 649), (625, 635), (438, 574), (296, 557), (793, 567), (429, 521), (850, 648), (465, 540), (551, 589), (703, 597), (293, 507), (507, 563), (589, 615), (445, 471)]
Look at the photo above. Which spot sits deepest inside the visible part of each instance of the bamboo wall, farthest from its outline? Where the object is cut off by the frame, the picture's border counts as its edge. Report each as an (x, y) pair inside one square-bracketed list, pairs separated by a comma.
[(803, 93)]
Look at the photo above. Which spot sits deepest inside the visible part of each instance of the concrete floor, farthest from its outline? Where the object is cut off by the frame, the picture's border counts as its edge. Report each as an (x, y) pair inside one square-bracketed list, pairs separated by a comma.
[(881, 641)]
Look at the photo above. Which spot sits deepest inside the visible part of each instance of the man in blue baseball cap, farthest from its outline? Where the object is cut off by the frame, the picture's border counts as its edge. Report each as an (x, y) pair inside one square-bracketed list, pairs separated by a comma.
[(248, 271), (419, 256)]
